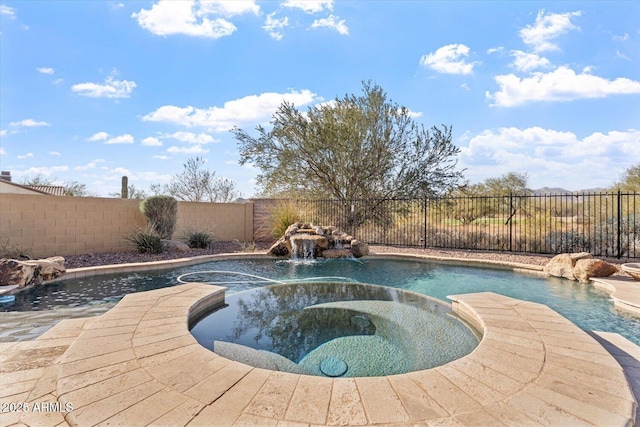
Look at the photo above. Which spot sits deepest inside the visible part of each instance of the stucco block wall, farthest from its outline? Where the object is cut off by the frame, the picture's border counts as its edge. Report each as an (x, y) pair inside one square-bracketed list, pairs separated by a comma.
[(58, 225), (225, 221)]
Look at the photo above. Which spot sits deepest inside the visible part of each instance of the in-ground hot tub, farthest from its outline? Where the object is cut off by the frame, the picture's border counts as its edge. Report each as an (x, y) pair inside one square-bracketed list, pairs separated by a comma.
[(335, 330)]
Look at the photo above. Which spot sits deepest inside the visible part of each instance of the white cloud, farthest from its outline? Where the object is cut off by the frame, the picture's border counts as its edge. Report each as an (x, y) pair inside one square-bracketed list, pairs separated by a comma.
[(200, 19), (250, 109), (495, 50), (152, 142), (54, 153), (465, 87), (161, 157), (122, 139), (622, 56), (100, 136), (547, 28), (192, 138), (2, 151), (332, 22), (25, 156), (562, 84), (273, 26), (111, 88), (28, 123), (228, 8), (58, 81), (193, 149), (8, 11), (309, 6), (550, 157), (621, 38), (45, 170), (449, 59), (46, 70), (3, 132), (88, 166), (412, 114), (524, 61)]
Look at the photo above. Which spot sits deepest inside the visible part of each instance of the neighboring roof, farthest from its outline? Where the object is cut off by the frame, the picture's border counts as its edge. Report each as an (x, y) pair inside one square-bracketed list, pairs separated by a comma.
[(56, 190), (29, 189)]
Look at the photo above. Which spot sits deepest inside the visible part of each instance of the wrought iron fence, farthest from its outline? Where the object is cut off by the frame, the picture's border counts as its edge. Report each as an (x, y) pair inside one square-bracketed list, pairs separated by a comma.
[(604, 224)]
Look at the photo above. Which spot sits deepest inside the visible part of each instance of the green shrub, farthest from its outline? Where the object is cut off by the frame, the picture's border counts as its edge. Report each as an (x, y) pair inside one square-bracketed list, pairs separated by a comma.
[(162, 213), (198, 239), (146, 240)]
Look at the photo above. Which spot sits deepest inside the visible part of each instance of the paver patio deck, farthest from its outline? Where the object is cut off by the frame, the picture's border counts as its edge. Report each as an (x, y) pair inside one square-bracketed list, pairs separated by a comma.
[(138, 365)]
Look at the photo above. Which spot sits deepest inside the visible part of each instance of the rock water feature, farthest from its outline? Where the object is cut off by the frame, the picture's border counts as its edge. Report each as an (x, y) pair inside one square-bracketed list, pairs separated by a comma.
[(308, 241)]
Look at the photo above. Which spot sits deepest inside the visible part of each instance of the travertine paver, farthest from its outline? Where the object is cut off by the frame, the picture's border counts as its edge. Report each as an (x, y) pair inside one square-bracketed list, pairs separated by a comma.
[(138, 365)]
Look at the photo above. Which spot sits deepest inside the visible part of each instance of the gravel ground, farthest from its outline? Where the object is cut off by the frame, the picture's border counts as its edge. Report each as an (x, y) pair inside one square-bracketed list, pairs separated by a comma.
[(90, 260), (76, 261)]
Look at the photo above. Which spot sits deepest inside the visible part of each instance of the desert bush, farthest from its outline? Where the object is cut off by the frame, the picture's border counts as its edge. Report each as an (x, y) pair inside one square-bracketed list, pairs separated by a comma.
[(566, 241), (13, 251), (281, 217), (162, 213), (246, 246), (198, 239), (146, 240), (604, 235)]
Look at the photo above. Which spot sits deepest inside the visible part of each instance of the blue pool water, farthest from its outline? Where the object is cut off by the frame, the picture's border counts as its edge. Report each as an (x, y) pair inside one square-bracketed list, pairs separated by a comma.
[(587, 307), (334, 329)]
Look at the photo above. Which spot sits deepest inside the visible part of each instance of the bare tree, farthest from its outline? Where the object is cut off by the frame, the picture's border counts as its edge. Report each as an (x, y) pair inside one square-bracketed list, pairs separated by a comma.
[(198, 184), (71, 188)]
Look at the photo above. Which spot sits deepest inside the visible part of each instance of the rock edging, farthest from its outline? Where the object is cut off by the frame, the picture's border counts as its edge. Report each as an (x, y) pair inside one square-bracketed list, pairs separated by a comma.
[(31, 272)]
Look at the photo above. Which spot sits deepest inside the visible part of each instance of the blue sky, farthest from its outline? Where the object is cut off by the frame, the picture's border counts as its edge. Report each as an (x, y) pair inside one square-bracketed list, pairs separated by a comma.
[(93, 90)]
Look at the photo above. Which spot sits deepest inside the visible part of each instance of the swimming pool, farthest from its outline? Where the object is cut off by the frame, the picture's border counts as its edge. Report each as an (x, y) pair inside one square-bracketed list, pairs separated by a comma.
[(584, 305)]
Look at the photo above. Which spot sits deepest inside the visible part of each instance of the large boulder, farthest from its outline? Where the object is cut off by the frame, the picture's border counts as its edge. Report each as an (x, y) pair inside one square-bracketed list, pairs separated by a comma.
[(14, 272), (319, 241), (562, 265), (50, 268), (587, 268), (280, 248), (359, 249)]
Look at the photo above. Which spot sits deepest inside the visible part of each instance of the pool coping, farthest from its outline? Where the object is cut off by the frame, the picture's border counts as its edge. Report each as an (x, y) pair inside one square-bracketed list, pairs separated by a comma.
[(138, 364)]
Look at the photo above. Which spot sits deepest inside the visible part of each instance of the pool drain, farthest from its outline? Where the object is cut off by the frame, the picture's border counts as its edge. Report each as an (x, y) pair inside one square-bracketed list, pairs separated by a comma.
[(333, 367)]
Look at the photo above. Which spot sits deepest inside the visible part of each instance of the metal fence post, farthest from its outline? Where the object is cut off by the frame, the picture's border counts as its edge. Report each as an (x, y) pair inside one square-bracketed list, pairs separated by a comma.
[(510, 222), (619, 228), (424, 241)]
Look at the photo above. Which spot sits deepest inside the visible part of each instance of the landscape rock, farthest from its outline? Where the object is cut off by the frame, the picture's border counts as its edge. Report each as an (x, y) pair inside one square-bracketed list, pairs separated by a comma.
[(175, 246), (280, 248), (14, 272), (50, 268), (359, 249), (586, 268), (562, 265), (320, 241), (311, 241), (336, 253)]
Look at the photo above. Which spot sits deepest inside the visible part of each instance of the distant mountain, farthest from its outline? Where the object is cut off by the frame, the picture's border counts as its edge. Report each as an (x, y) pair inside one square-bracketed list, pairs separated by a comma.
[(558, 190)]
